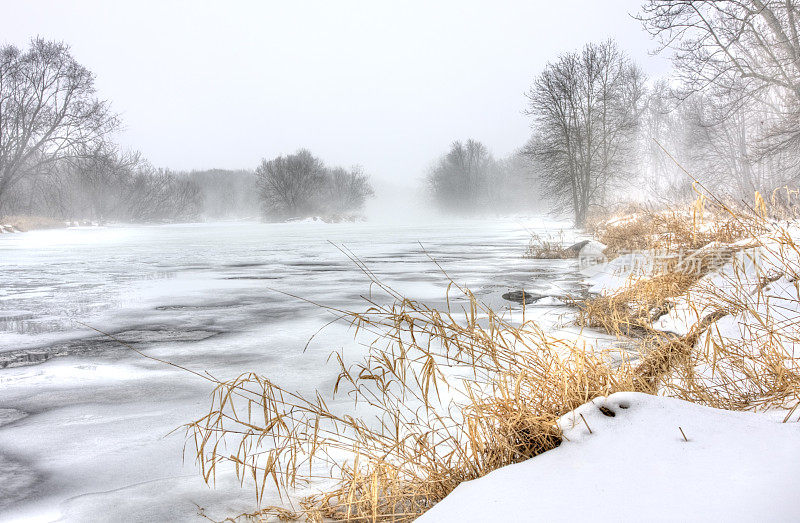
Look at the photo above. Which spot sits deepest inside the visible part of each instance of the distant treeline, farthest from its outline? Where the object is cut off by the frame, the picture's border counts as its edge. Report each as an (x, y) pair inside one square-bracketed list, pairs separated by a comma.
[(57, 159), (121, 187), (104, 186), (728, 117)]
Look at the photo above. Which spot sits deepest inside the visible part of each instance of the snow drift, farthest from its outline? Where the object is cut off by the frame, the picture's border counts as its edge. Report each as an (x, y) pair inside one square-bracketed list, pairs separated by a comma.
[(624, 457)]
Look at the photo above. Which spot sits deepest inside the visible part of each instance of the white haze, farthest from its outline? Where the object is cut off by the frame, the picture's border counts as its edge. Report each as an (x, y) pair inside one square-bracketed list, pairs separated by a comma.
[(387, 85)]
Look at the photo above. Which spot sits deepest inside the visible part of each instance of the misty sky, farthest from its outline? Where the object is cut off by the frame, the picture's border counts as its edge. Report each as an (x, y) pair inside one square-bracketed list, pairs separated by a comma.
[(387, 85)]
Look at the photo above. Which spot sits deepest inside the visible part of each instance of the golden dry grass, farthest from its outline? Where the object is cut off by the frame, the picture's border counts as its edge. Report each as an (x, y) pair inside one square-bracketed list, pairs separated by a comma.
[(631, 311), (30, 223), (669, 230), (548, 248), (708, 365), (685, 244), (444, 397), (454, 396)]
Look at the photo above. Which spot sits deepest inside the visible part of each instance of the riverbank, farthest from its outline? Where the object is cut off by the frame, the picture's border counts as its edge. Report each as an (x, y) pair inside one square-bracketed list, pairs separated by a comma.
[(11, 224), (467, 393), (712, 299), (634, 457)]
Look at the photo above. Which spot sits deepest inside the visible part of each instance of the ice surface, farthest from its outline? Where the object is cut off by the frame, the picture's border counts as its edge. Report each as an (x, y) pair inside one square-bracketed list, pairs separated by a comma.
[(85, 423)]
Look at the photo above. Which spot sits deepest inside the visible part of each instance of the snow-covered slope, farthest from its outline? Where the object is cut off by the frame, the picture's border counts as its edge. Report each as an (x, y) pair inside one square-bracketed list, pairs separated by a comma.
[(636, 466)]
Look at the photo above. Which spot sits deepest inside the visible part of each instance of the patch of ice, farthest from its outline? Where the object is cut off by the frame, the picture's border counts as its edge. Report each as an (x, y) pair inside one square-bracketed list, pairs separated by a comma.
[(10, 416)]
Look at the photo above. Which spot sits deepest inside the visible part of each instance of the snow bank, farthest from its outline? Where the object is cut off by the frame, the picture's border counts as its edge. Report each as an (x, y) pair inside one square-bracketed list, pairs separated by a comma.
[(636, 466), (634, 457), (610, 277)]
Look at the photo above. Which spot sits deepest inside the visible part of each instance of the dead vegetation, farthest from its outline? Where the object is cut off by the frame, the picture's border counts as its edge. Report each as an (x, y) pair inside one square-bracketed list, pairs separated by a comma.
[(30, 223), (683, 246), (540, 248), (442, 397), (738, 354), (670, 230), (632, 311)]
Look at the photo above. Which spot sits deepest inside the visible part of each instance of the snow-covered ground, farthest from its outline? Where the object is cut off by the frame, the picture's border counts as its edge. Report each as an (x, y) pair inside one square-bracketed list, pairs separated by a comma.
[(84, 433), (634, 457), (637, 466)]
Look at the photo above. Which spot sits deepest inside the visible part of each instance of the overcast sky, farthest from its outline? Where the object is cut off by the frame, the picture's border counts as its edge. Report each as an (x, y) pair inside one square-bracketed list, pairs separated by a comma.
[(387, 85)]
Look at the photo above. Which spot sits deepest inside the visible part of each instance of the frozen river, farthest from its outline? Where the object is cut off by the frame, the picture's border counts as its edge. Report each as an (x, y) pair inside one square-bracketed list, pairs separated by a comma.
[(85, 422)]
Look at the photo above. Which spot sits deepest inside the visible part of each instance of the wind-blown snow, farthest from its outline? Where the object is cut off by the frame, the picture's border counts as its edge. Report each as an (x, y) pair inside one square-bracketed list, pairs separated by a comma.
[(636, 466)]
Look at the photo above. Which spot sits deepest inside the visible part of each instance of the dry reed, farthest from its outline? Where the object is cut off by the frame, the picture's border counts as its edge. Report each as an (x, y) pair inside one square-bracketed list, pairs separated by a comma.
[(449, 396), (540, 248), (29, 223), (454, 396), (749, 364)]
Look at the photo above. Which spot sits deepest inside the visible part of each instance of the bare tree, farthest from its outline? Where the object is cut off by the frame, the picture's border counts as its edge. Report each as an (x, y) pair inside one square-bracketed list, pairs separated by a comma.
[(744, 49), (290, 185), (458, 180), (664, 125), (585, 109), (468, 179), (348, 190), (99, 178), (48, 110), (158, 195)]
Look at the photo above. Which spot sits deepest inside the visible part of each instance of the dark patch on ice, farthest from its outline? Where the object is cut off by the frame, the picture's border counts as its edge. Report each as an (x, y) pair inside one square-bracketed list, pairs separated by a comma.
[(203, 307), (252, 278), (101, 344), (313, 264), (330, 269), (16, 316), (197, 267), (272, 313), (163, 335), (22, 358), (16, 481), (416, 278), (522, 297), (8, 416)]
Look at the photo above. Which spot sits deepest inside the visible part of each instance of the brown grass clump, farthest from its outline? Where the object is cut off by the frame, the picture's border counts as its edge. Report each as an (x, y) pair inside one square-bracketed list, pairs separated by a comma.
[(741, 354), (749, 356), (549, 249), (784, 203), (632, 310), (684, 244), (671, 230), (30, 223), (445, 397), (452, 397)]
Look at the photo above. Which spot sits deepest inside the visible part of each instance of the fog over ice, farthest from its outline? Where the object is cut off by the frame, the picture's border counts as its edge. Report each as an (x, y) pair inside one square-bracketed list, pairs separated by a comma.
[(387, 85)]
